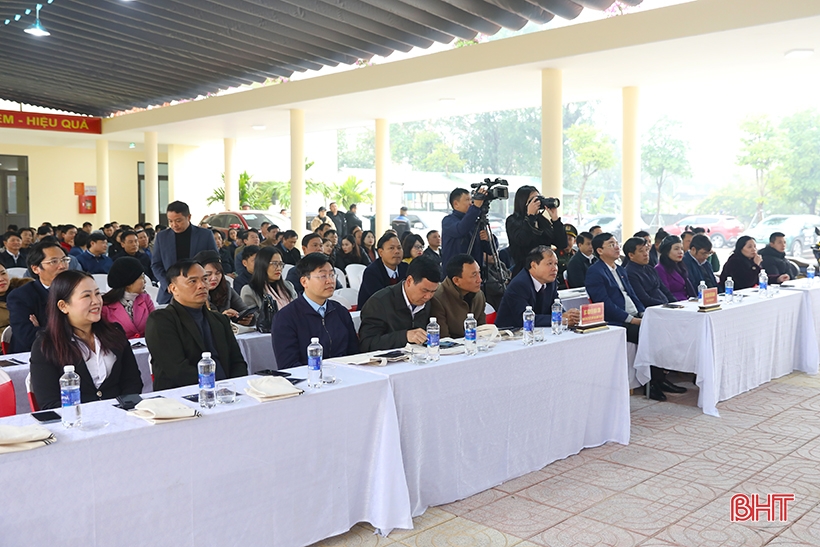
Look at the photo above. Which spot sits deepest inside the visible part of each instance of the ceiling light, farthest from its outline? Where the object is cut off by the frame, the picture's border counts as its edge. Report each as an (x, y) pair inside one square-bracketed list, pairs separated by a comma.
[(132, 145), (799, 53), (37, 29), (259, 127)]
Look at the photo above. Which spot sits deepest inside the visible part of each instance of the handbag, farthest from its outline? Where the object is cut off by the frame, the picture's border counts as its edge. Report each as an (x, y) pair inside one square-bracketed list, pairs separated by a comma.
[(267, 310)]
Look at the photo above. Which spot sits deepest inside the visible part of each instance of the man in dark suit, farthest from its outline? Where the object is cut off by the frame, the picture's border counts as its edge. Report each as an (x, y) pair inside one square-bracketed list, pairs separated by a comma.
[(433, 249), (535, 286), (338, 219), (178, 334), (580, 262), (696, 260), (131, 247), (183, 240), (13, 255), (311, 243), (643, 276), (27, 304), (457, 227), (351, 219), (609, 283), (290, 254), (385, 271), (397, 315)]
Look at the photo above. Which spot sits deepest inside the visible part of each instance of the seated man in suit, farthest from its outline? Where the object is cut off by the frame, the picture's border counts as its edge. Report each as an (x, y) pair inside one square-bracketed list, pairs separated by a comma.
[(697, 263), (386, 270), (248, 256), (313, 315), (580, 262), (459, 295), (643, 276), (609, 283), (311, 243), (178, 334), (94, 259), (13, 255), (774, 260), (433, 249), (398, 314), (290, 254), (27, 304), (535, 285), (183, 240)]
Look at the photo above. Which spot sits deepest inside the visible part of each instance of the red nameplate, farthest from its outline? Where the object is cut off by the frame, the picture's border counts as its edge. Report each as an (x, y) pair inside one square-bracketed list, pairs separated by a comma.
[(710, 297), (592, 314)]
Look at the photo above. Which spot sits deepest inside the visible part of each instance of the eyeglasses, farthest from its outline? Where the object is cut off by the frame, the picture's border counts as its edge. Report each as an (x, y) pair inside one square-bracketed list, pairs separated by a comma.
[(53, 262), (324, 277), (418, 247), (278, 265)]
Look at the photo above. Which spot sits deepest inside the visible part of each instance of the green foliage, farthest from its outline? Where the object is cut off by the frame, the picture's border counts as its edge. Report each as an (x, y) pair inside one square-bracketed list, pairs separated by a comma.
[(590, 151), (664, 155), (801, 162), (506, 142), (250, 192), (350, 191), (362, 156), (762, 149)]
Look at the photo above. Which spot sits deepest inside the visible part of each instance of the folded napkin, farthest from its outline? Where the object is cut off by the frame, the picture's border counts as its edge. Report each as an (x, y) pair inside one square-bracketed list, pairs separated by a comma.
[(161, 410), (241, 329), (361, 359), (271, 388), (19, 438)]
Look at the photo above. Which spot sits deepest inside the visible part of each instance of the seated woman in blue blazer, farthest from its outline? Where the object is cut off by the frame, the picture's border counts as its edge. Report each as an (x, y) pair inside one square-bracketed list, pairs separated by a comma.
[(76, 334)]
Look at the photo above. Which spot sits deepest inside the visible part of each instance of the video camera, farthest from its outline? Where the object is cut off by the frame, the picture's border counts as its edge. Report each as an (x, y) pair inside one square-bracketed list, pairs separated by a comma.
[(495, 189)]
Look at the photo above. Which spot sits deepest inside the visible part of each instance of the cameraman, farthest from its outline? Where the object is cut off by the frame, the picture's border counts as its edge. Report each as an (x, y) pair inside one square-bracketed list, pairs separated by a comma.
[(457, 227), (527, 227)]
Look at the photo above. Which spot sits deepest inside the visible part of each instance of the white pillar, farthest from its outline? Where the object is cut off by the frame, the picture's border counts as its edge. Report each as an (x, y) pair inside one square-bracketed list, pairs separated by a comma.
[(552, 134), (103, 191), (151, 178), (297, 171), (382, 176), (231, 178), (631, 170)]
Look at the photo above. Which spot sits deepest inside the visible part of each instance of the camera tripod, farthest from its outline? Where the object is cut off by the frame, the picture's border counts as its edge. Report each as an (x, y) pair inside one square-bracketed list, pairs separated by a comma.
[(497, 274)]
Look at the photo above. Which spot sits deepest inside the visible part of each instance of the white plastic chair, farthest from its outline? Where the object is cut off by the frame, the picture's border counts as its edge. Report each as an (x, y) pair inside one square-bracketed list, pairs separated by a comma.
[(341, 299), (5, 340), (152, 291), (355, 272), (229, 279), (351, 296), (16, 272), (285, 269), (340, 275), (102, 282)]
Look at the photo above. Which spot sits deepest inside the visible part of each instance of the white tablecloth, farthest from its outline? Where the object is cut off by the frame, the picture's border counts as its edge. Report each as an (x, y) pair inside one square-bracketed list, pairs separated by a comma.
[(471, 423), (732, 350), (811, 297), (283, 473)]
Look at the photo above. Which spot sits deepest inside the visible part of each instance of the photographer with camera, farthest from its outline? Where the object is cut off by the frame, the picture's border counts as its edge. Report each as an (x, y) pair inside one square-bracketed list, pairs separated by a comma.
[(457, 228), (527, 227)]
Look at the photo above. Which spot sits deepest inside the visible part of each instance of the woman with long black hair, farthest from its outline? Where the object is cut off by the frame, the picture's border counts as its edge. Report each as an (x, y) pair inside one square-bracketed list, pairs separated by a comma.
[(75, 335), (527, 227)]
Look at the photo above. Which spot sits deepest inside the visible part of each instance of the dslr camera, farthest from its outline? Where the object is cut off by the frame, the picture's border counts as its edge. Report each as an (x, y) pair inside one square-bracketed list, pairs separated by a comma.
[(548, 203), (495, 189)]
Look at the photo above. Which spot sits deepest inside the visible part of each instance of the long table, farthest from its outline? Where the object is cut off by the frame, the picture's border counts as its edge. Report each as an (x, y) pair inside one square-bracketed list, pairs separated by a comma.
[(732, 350), (284, 473), (469, 423)]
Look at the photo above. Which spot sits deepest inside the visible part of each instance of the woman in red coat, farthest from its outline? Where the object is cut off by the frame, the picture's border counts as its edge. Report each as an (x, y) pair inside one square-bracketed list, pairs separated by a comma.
[(126, 303)]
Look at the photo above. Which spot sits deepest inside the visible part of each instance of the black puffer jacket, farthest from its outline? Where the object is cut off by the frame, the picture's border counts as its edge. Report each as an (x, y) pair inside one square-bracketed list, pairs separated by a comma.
[(775, 264)]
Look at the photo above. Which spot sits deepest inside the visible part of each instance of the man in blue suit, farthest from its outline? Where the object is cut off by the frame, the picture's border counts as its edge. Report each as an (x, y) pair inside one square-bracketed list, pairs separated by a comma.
[(697, 263), (533, 286), (182, 240), (385, 271), (609, 283)]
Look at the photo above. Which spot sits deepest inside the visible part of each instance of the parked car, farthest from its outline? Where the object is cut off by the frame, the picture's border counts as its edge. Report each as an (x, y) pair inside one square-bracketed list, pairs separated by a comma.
[(798, 229), (608, 223), (243, 220), (722, 229)]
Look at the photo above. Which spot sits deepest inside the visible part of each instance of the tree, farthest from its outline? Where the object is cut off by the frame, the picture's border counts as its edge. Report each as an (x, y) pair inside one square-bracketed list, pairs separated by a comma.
[(663, 156), (250, 192), (801, 162), (762, 150), (506, 142), (350, 191), (362, 156), (590, 152), (279, 191)]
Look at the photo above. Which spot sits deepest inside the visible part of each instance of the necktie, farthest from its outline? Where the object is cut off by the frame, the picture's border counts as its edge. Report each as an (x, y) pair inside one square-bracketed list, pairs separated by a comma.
[(393, 279)]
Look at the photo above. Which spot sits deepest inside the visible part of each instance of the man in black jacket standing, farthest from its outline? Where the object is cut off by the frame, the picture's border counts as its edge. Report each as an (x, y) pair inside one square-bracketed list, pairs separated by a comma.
[(351, 219), (338, 219)]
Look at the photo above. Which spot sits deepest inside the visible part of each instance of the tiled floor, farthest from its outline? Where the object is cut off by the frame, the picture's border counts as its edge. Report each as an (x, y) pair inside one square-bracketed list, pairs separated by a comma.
[(670, 486)]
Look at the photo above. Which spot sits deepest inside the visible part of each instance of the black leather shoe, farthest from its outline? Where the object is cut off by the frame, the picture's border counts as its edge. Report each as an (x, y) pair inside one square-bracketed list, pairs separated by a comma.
[(669, 387), (656, 393)]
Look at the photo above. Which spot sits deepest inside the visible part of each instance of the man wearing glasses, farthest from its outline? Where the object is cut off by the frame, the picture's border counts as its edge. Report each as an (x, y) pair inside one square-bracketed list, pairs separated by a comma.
[(313, 315), (27, 304), (397, 315)]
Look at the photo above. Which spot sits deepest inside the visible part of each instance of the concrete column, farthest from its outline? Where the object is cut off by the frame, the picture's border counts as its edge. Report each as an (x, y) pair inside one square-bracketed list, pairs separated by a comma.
[(631, 170), (231, 178), (382, 176), (151, 178), (103, 191), (552, 134), (297, 171)]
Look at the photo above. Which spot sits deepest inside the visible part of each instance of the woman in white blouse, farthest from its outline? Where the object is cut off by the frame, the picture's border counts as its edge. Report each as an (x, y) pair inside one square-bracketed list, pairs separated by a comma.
[(74, 335)]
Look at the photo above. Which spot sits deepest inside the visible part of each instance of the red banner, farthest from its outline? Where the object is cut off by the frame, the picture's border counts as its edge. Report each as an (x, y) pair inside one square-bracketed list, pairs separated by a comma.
[(50, 122), (592, 314)]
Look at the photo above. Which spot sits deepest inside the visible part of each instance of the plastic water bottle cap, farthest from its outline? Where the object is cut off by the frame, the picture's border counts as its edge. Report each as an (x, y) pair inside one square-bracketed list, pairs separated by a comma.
[(470, 316), (68, 368), (729, 278), (314, 340), (432, 319), (557, 301), (529, 308), (206, 354)]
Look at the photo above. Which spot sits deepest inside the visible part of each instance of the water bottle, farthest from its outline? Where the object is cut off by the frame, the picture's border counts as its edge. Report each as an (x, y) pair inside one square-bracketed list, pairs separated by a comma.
[(557, 316), (70, 397), (701, 288), (314, 351), (207, 381), (762, 284), (810, 273), (470, 344), (730, 290), (529, 326), (433, 332)]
